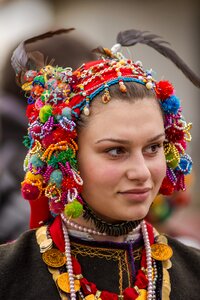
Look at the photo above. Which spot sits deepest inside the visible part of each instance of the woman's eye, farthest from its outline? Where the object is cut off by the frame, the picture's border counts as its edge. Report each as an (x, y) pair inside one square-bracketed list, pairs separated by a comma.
[(153, 149), (116, 152)]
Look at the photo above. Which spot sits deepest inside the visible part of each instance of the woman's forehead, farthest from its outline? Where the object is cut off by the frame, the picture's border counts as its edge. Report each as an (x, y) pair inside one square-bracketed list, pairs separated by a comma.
[(123, 108), (119, 118)]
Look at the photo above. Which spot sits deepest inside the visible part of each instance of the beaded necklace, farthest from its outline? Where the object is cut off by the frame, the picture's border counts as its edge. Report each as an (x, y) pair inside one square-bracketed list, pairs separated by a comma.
[(72, 282), (141, 283), (90, 230), (119, 229)]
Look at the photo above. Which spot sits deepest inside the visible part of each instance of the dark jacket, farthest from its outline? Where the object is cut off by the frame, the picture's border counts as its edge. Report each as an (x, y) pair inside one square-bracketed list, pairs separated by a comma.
[(24, 275)]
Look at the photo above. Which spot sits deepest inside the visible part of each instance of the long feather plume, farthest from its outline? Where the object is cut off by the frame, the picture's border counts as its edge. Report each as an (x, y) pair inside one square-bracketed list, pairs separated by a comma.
[(22, 59), (133, 37)]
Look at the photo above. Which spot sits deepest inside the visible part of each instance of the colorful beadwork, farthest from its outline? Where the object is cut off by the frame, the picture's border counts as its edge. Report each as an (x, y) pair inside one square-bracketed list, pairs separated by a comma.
[(57, 96)]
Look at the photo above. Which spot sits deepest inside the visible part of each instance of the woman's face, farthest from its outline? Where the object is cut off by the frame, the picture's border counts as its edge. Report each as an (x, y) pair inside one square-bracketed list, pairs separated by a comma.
[(121, 158)]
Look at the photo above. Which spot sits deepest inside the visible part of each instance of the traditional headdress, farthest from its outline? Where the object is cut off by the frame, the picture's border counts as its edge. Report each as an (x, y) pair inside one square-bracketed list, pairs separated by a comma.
[(58, 95)]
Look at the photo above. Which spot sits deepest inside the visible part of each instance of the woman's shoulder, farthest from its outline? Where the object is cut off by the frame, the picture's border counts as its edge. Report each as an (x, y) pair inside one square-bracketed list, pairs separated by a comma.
[(19, 245), (183, 251), (185, 271), (16, 254), (20, 261)]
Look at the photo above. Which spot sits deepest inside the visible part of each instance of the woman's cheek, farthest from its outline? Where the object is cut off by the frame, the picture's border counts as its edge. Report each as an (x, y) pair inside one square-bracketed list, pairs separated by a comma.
[(159, 170)]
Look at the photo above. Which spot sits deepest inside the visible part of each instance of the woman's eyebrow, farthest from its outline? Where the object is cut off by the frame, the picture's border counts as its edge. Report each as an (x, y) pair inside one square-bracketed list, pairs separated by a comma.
[(156, 137), (120, 141), (125, 142)]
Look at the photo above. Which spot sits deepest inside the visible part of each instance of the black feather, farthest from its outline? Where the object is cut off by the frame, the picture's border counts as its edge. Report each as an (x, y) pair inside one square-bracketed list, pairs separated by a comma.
[(22, 59), (133, 37)]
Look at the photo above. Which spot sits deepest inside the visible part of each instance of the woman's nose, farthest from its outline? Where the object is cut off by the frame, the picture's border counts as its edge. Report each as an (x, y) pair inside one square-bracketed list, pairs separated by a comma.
[(137, 169)]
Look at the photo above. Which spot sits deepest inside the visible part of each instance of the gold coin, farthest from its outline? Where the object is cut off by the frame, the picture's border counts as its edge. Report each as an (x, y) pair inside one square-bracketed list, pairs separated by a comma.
[(53, 271), (167, 264), (90, 297), (161, 239), (40, 230), (161, 251), (54, 258), (55, 276), (41, 237), (142, 295), (63, 283), (46, 245)]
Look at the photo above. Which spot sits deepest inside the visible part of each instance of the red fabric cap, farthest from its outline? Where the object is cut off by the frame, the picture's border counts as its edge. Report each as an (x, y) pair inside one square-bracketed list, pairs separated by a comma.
[(39, 212)]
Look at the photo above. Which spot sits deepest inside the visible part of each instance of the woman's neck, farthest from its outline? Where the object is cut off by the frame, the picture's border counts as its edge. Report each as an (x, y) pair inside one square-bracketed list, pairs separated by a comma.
[(87, 226)]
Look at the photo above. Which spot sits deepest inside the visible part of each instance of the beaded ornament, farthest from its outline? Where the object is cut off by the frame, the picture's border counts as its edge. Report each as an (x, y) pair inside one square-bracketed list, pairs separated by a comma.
[(56, 98)]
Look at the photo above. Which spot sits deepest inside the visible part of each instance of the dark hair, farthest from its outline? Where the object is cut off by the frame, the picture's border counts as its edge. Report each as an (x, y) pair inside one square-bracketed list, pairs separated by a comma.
[(135, 91)]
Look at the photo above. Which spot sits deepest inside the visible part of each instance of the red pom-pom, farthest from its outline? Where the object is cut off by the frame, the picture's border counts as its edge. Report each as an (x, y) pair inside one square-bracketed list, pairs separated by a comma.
[(173, 134), (36, 129), (88, 287), (57, 110), (30, 192), (164, 89), (142, 280), (108, 296), (69, 183), (56, 207), (48, 140), (167, 187), (56, 136), (32, 112), (130, 293)]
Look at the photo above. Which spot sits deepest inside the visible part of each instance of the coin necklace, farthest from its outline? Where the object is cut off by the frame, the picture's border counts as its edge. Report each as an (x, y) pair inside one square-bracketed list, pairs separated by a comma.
[(142, 281), (72, 280)]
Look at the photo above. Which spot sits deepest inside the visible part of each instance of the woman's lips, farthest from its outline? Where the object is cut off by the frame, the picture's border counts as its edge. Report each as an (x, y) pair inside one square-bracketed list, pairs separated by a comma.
[(136, 194)]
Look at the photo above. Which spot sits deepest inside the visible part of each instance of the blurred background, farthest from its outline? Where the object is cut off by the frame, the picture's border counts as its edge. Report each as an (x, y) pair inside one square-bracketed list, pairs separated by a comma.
[(97, 23)]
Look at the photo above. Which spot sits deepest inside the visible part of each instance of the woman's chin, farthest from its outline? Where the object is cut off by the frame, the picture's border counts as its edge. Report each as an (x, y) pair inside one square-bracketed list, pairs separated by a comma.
[(140, 215)]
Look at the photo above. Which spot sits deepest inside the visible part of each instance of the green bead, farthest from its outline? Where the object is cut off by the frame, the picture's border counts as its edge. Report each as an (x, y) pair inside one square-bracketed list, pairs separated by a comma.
[(73, 209)]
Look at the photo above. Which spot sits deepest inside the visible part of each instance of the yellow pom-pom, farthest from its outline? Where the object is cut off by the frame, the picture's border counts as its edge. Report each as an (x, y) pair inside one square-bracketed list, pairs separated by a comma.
[(45, 113), (30, 176), (73, 209), (172, 162)]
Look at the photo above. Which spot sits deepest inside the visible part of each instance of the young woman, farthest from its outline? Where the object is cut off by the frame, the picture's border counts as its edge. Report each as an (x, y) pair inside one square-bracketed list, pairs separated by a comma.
[(103, 141)]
